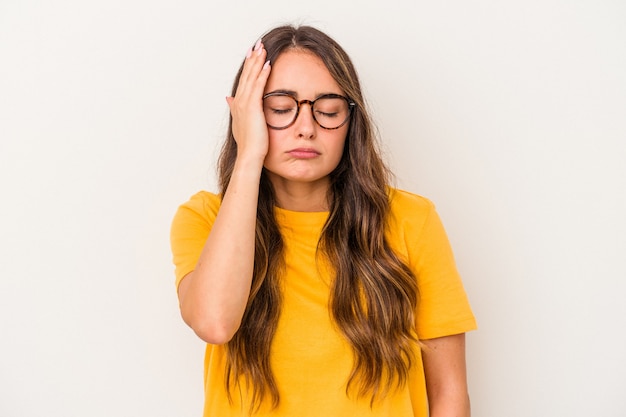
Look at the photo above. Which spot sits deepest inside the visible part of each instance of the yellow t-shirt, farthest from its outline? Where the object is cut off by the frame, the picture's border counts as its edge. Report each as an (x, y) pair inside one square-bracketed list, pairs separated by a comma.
[(310, 359)]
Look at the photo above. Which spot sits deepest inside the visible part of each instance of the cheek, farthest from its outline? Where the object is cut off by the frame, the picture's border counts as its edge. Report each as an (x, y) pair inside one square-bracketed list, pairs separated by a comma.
[(341, 148), (338, 149), (342, 144), (275, 147), (274, 140)]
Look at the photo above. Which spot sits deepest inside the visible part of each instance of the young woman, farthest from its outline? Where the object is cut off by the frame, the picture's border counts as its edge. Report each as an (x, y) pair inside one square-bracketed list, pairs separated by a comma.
[(319, 289)]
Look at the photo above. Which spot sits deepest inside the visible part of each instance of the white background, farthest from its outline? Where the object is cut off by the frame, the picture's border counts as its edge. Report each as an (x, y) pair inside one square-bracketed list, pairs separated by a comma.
[(510, 115)]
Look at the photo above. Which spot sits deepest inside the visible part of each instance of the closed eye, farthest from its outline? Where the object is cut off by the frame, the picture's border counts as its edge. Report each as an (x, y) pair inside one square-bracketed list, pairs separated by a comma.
[(281, 111), (324, 114)]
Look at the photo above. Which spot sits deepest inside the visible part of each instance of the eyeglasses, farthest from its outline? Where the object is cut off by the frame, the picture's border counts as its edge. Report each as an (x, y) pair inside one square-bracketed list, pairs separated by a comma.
[(330, 111)]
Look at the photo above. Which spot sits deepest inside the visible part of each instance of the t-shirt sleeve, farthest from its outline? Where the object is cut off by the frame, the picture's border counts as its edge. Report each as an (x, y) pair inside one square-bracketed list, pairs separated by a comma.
[(190, 228), (443, 308)]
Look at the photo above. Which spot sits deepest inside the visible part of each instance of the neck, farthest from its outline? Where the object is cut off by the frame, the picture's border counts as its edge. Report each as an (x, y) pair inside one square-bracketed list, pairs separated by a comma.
[(301, 196)]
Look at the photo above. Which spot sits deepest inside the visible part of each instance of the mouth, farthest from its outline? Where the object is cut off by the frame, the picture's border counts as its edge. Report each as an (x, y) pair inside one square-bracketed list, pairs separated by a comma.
[(303, 153)]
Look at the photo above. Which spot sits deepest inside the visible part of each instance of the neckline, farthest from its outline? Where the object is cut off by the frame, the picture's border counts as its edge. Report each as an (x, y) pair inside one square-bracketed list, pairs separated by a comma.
[(301, 218)]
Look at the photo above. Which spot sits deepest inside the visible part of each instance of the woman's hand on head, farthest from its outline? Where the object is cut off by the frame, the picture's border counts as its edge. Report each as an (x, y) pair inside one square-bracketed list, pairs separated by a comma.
[(246, 108)]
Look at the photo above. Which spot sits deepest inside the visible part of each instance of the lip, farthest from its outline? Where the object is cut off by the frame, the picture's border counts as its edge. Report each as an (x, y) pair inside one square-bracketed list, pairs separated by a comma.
[(303, 153)]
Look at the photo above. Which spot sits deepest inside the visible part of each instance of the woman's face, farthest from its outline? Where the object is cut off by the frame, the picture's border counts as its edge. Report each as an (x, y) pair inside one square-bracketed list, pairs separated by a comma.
[(304, 152)]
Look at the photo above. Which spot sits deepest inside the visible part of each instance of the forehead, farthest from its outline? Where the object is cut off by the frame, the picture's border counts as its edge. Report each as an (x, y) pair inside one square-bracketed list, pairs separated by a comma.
[(303, 73)]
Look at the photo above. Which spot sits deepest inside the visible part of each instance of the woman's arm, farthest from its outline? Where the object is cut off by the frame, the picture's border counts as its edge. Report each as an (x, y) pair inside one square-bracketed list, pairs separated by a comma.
[(446, 380), (213, 297)]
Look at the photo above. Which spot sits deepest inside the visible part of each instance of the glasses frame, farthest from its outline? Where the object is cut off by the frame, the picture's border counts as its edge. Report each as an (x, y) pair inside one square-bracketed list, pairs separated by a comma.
[(351, 106)]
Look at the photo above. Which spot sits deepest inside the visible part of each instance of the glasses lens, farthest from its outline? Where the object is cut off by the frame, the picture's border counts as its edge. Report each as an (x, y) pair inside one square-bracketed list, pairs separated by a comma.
[(280, 110), (331, 112)]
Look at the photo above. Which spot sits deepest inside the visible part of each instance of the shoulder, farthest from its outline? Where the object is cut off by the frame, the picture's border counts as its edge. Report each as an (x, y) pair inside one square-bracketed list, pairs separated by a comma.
[(202, 203), (204, 199), (406, 205), (189, 230), (197, 212), (412, 219)]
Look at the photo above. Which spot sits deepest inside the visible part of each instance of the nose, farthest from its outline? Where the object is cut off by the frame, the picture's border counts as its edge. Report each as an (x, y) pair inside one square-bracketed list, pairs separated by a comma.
[(305, 124)]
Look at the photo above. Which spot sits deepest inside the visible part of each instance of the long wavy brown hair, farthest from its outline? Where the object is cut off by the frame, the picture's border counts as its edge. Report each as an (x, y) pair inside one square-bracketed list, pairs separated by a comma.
[(373, 293)]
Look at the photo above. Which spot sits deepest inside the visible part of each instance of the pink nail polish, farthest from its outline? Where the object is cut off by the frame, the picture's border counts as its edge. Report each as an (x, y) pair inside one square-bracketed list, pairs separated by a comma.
[(267, 64), (249, 53), (257, 44)]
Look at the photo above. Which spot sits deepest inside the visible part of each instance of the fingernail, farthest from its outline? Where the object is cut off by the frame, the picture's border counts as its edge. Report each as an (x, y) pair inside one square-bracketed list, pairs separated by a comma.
[(267, 64), (249, 53), (257, 44)]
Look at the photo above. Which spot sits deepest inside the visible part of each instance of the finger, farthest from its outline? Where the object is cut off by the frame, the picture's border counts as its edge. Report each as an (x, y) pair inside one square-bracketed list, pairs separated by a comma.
[(261, 80), (252, 65), (252, 68), (246, 65), (259, 74)]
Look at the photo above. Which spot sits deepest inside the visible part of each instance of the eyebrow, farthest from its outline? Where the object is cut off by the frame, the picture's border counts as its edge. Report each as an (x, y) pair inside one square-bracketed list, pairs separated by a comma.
[(289, 92), (295, 94)]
